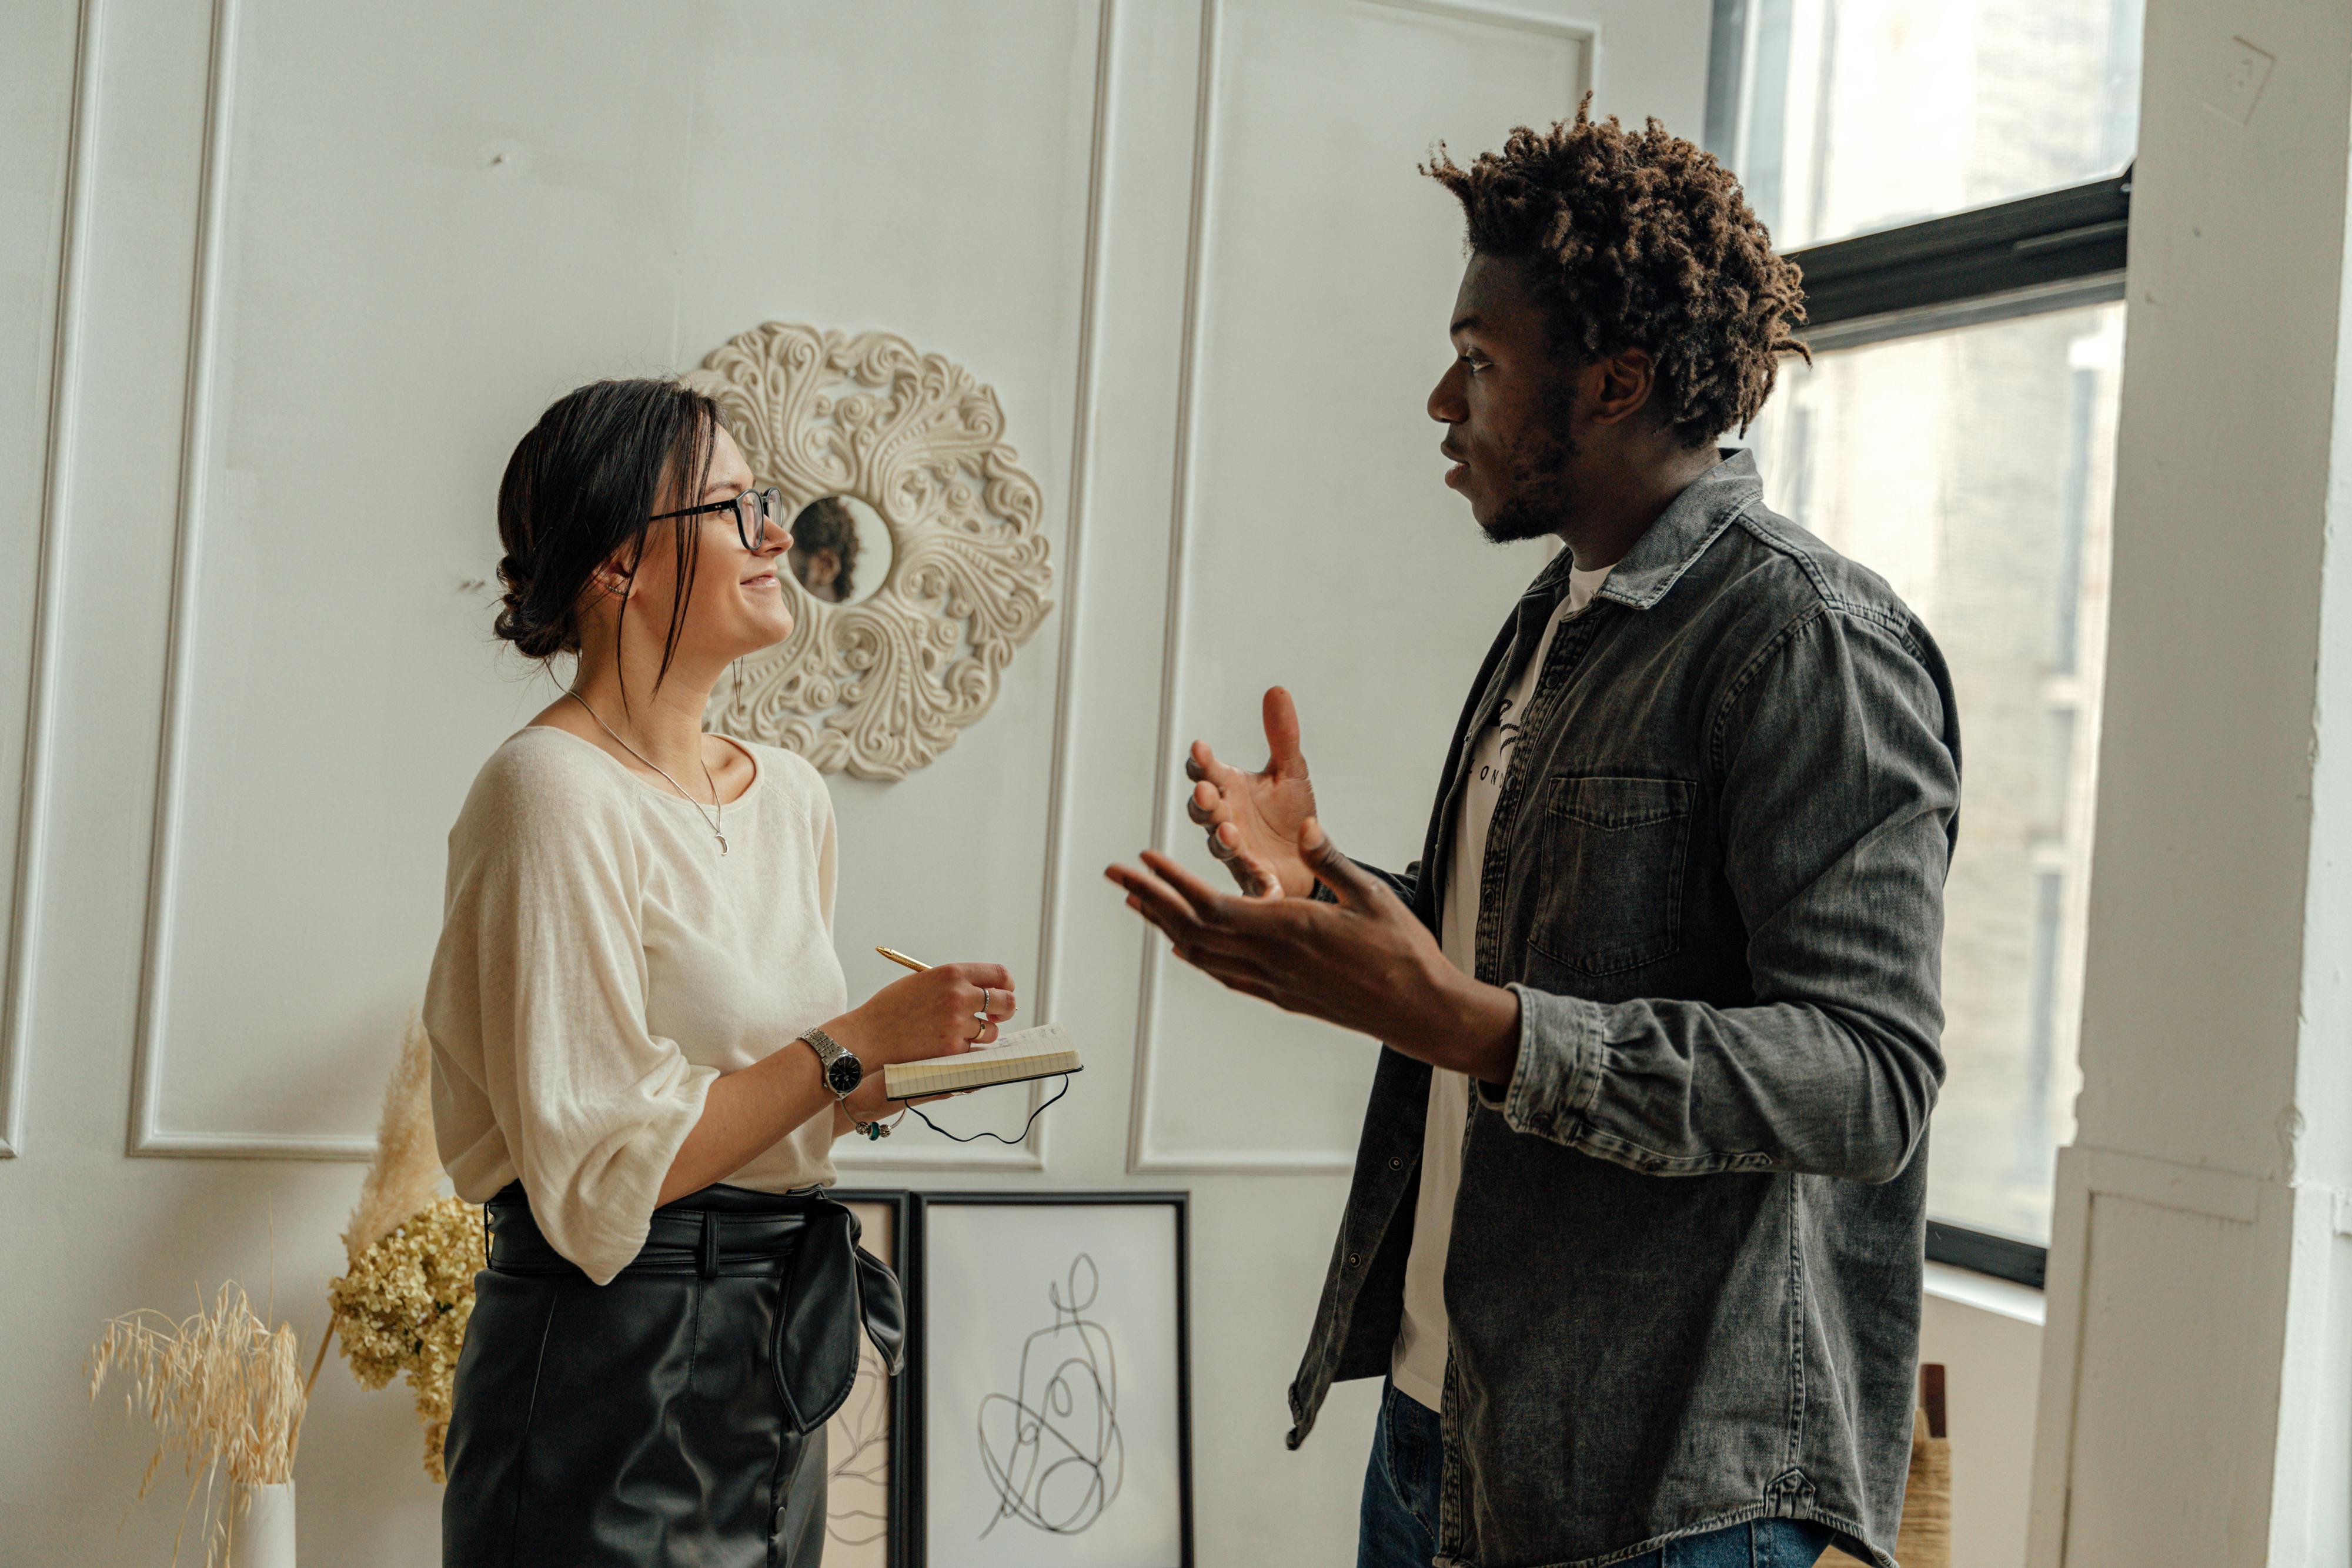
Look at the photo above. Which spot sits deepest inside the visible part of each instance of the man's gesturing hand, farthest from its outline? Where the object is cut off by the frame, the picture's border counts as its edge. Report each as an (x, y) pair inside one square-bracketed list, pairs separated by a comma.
[(1254, 820), (1366, 963)]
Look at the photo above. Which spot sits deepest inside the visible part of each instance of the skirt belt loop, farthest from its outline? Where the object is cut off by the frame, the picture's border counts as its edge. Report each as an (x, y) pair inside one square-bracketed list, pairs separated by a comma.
[(709, 1258)]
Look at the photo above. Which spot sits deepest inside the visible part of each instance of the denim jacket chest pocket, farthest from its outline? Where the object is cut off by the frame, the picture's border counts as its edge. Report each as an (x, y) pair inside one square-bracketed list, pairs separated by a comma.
[(1613, 851)]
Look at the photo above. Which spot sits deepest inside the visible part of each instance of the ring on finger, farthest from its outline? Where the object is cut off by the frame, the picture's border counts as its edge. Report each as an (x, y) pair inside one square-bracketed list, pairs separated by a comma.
[(987, 1008)]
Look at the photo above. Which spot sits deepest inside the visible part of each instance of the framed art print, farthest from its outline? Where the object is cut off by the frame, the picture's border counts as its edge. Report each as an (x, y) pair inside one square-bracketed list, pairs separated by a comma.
[(1052, 1375), (868, 1439)]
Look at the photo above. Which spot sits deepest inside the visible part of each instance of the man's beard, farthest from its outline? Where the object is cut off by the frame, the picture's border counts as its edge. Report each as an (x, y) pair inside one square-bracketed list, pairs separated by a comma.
[(1539, 493)]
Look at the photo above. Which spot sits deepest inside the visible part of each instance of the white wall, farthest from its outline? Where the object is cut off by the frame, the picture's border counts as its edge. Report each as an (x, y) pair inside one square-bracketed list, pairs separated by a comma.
[(1986, 1334), (315, 268)]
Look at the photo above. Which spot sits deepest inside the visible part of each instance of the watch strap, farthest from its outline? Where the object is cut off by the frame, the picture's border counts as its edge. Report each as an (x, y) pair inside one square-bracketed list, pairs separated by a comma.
[(828, 1051)]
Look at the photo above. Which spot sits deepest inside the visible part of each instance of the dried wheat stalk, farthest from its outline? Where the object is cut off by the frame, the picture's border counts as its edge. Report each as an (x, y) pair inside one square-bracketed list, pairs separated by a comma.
[(222, 1391)]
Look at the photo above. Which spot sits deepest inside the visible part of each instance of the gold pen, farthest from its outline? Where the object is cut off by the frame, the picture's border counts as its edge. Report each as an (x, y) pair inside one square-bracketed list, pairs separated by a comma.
[(918, 966)]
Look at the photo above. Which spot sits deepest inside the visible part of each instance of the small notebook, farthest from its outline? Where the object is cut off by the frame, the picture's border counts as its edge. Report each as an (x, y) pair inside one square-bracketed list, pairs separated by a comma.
[(1041, 1052)]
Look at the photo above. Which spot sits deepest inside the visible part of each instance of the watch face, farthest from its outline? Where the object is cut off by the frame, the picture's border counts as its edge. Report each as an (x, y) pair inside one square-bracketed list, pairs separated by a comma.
[(845, 1074)]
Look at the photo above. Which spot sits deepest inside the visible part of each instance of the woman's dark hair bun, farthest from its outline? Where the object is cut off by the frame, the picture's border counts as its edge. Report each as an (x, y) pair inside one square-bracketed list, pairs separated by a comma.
[(582, 489), (535, 635)]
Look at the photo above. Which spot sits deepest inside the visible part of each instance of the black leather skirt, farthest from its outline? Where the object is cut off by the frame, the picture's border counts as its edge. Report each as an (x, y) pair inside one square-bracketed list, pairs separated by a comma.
[(674, 1415)]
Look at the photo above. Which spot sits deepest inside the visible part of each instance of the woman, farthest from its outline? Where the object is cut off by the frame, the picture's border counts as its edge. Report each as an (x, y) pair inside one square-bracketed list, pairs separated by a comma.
[(825, 550), (641, 1046)]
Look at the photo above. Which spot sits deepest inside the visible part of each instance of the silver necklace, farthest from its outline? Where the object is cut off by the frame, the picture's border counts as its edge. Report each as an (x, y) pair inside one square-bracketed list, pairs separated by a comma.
[(717, 824)]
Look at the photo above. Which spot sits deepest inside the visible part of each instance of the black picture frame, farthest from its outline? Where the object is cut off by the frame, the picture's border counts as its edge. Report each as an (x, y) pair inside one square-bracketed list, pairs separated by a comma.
[(905, 1413), (917, 1472)]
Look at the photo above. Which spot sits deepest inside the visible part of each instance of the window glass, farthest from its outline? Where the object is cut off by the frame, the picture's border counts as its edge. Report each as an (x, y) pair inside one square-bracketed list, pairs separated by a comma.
[(1863, 114), (1973, 470)]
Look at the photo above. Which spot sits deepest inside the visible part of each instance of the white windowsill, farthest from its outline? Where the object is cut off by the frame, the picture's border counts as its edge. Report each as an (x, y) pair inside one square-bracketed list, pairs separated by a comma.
[(1969, 1288)]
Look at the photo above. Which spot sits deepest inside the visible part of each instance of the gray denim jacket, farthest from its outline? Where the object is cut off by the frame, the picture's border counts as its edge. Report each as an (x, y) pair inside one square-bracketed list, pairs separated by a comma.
[(1684, 1282)]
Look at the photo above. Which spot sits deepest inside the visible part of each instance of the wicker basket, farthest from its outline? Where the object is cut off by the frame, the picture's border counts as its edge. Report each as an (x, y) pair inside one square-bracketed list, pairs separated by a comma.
[(1924, 1539)]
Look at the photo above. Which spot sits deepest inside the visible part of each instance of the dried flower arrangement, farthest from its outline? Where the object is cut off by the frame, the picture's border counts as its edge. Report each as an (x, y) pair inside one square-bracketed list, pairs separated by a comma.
[(402, 1309), (222, 1391)]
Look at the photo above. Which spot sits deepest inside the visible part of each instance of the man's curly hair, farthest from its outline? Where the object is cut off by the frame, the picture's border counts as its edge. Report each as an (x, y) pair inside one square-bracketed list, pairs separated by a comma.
[(1641, 241)]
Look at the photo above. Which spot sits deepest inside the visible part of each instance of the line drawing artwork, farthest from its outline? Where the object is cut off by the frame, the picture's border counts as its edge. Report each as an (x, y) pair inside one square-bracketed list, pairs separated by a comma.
[(857, 1478), (1057, 1461)]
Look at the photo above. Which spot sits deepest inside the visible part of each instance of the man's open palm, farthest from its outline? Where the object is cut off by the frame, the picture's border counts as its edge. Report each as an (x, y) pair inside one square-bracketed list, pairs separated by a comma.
[(1254, 820)]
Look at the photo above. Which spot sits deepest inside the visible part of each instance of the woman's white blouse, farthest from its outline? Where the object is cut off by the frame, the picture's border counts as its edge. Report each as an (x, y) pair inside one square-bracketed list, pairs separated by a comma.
[(600, 963)]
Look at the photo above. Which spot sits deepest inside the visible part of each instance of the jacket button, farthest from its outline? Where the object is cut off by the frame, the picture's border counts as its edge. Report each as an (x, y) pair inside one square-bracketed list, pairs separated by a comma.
[(1395, 1163), (1355, 1259)]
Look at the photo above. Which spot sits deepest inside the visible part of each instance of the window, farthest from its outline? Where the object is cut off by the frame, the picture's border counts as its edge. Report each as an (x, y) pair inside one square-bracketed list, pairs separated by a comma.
[(1952, 177), (1854, 116)]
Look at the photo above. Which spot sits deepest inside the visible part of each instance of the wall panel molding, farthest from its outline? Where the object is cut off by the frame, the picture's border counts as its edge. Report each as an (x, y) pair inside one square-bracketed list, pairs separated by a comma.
[(1029, 1154), (148, 1135), (1144, 1155), (31, 859)]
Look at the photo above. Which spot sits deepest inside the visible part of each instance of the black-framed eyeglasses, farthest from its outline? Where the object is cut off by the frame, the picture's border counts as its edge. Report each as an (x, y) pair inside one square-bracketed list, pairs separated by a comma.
[(754, 509)]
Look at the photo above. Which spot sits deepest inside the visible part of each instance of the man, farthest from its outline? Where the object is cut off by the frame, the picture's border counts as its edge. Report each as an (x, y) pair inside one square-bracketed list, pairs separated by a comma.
[(1636, 1226)]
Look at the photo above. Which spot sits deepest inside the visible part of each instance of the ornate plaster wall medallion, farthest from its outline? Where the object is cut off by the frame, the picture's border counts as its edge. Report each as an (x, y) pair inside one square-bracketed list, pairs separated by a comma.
[(922, 569)]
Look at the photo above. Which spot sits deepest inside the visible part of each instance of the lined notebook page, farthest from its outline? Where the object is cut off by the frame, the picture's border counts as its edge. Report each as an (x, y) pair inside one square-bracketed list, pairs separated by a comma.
[(1014, 1059)]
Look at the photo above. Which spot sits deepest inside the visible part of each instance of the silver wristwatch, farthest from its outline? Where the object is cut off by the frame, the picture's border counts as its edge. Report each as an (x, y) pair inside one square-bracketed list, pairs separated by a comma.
[(842, 1072)]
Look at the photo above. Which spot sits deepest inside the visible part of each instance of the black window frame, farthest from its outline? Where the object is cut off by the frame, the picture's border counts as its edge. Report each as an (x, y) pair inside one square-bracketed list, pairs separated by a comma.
[(2050, 251)]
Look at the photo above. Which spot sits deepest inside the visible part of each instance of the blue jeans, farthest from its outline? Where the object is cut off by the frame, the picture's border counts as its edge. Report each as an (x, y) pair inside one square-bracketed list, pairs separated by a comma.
[(1398, 1527)]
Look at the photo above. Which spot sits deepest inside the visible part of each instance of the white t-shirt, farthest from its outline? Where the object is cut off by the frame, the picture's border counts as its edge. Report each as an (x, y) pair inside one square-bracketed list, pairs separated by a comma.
[(1417, 1366), (601, 964)]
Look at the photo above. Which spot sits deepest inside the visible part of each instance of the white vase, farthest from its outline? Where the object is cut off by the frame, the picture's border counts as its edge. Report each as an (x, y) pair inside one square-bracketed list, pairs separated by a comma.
[(264, 1534)]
